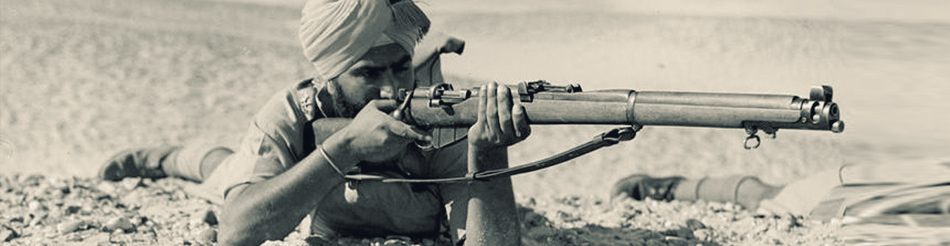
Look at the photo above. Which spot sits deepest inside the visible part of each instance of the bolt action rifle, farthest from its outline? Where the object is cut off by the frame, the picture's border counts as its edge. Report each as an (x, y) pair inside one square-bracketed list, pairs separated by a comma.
[(441, 106)]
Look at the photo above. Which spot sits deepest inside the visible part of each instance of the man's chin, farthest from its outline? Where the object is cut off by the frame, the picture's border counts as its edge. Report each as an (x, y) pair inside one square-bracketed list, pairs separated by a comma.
[(349, 110)]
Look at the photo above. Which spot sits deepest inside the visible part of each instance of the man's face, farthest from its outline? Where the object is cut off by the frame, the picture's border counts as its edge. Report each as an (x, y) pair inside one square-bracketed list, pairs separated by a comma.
[(379, 73)]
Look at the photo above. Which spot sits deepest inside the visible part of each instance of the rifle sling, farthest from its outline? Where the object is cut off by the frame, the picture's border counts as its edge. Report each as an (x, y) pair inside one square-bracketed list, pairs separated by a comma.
[(605, 139)]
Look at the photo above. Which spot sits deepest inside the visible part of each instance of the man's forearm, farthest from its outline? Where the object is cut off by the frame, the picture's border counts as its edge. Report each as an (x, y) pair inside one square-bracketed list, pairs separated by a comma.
[(492, 215), (261, 211)]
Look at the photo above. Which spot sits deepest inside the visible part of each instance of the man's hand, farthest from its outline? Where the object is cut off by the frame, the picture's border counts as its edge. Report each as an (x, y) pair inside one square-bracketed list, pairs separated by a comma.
[(501, 120), (372, 136), (492, 217)]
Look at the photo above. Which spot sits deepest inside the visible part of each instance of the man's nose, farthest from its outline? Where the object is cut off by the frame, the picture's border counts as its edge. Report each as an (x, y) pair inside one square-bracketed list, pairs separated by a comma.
[(387, 85)]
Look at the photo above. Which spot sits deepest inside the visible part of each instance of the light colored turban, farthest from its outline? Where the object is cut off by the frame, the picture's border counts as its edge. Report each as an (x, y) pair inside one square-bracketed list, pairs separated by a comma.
[(336, 33)]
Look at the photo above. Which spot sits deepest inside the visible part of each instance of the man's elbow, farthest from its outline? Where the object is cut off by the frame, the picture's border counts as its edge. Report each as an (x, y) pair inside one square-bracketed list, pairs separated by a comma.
[(237, 233), (231, 238), (234, 228)]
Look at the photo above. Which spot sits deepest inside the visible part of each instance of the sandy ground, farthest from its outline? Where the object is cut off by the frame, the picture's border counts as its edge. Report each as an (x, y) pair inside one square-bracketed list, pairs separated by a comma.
[(80, 81)]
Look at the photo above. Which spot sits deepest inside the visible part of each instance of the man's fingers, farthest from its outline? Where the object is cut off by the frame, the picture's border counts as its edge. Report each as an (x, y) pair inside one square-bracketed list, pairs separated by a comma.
[(522, 129), (482, 98), (406, 131), (491, 108), (503, 100), (385, 105)]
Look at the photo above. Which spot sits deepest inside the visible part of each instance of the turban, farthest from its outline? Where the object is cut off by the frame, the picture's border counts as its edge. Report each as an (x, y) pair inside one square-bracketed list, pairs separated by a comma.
[(336, 33)]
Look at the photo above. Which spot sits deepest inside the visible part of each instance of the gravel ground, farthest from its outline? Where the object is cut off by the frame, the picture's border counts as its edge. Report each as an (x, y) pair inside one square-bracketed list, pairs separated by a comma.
[(35, 210)]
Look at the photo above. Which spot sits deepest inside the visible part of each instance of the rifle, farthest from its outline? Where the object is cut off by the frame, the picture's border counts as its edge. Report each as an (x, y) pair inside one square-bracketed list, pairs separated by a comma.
[(441, 105)]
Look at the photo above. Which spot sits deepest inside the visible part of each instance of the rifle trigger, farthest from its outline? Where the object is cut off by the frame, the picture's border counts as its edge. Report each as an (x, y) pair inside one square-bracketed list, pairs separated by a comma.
[(400, 112)]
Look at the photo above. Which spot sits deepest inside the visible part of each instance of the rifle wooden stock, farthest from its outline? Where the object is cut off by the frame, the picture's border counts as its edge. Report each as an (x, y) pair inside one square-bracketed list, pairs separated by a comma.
[(441, 105)]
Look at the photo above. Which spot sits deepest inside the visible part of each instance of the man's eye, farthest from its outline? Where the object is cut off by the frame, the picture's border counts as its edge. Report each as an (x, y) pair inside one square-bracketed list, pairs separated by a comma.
[(399, 69), (370, 74)]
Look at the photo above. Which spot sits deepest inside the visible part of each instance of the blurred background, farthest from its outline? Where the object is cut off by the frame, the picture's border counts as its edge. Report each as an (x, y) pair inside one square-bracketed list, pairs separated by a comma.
[(81, 80)]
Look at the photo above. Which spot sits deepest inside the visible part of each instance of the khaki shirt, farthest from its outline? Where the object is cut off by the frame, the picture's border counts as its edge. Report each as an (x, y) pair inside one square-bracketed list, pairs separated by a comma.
[(280, 136)]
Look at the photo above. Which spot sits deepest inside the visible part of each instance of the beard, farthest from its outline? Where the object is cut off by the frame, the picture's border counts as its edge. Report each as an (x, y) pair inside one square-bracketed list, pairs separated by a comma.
[(343, 107)]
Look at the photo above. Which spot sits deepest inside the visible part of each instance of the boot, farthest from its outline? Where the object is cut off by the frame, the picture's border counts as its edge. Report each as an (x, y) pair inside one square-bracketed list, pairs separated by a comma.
[(640, 186), (137, 163)]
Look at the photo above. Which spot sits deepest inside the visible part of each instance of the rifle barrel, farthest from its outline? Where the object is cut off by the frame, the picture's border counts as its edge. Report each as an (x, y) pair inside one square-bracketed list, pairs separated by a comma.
[(629, 107)]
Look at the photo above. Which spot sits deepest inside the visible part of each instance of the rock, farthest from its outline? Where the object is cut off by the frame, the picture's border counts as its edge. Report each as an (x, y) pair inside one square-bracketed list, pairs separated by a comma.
[(140, 220), (99, 237), (395, 242), (36, 206), (71, 226), (14, 218), (71, 209), (75, 237), (37, 218), (703, 234), (208, 216), (131, 183), (118, 223), (694, 224), (7, 233), (196, 223), (208, 235), (106, 188), (87, 209)]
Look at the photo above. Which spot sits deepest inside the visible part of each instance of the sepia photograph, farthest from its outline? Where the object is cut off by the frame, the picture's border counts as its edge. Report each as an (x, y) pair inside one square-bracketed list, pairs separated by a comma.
[(450, 122)]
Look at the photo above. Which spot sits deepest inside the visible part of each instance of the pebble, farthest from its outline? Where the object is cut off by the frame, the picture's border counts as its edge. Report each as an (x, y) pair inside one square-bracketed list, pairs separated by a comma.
[(37, 218), (395, 242), (140, 220), (118, 223), (207, 234), (7, 233), (35, 206), (208, 216), (71, 226), (703, 234), (694, 224), (87, 209), (15, 219), (106, 187), (131, 183), (71, 209), (73, 237), (196, 223)]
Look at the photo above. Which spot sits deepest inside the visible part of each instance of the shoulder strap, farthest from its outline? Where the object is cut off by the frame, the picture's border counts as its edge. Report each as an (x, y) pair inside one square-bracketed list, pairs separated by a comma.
[(307, 99)]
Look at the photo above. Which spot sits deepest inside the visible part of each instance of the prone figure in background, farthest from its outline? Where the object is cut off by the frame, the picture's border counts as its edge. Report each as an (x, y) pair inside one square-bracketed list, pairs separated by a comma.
[(866, 193)]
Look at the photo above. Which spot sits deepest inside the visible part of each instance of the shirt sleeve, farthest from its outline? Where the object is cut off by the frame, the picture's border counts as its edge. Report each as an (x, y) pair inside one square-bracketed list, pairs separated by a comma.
[(274, 142)]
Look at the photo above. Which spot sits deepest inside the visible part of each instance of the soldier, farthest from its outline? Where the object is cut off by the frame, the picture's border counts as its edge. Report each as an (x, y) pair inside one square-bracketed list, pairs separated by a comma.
[(362, 50), (854, 193)]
